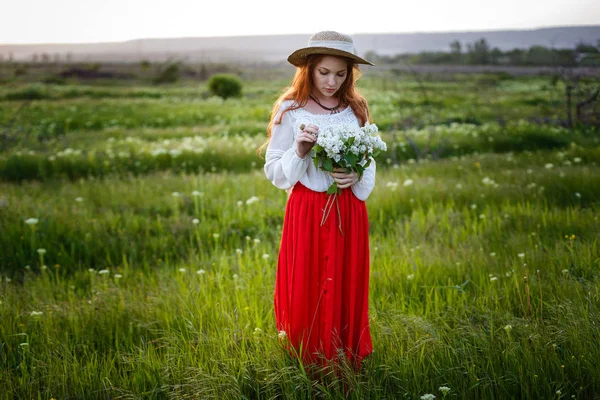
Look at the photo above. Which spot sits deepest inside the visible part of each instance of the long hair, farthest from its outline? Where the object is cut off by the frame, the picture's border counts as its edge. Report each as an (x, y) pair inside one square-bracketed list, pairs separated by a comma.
[(301, 87)]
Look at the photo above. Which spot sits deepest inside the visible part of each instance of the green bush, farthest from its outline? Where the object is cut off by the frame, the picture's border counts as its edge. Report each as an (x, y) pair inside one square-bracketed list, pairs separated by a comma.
[(170, 74), (225, 85)]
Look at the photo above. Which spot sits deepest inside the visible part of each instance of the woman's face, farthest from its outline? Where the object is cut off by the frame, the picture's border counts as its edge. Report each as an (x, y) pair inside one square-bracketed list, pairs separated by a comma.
[(329, 75)]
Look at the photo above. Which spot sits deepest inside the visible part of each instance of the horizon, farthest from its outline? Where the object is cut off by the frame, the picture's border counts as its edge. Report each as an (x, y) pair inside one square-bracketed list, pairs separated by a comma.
[(308, 34), (116, 21)]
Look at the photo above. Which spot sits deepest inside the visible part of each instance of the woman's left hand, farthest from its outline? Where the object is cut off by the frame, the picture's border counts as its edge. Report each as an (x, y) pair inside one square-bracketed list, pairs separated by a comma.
[(344, 179)]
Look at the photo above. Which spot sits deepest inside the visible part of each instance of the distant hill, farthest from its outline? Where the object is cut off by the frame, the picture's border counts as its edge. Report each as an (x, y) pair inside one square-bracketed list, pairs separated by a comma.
[(276, 48)]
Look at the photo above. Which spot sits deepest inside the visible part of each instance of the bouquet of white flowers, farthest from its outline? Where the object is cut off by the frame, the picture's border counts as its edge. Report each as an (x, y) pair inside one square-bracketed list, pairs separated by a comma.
[(349, 147)]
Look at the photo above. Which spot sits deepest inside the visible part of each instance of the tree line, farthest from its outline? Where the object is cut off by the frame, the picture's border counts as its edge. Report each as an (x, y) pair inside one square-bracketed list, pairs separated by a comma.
[(480, 52)]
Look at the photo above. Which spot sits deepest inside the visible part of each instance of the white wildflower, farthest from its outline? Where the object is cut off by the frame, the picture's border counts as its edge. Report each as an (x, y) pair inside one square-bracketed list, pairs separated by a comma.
[(251, 200), (31, 221)]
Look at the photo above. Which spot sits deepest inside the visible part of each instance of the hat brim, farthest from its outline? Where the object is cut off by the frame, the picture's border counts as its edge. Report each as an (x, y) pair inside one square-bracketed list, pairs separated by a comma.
[(298, 57)]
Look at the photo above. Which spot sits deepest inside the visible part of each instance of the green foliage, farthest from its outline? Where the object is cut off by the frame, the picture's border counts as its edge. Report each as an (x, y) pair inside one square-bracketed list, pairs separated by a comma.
[(30, 92), (169, 74), (225, 85)]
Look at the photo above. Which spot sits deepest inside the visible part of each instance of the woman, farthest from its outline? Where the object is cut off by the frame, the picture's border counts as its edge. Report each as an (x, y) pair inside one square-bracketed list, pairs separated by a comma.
[(322, 278)]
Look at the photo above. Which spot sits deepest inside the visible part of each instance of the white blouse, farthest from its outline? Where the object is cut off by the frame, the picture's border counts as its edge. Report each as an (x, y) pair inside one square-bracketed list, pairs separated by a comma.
[(284, 168)]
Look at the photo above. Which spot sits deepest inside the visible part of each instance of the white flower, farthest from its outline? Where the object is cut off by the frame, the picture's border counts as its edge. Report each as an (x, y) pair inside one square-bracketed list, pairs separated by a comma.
[(256, 241), (577, 159), (578, 195), (240, 203), (216, 235), (282, 334), (251, 200), (104, 272), (408, 182), (565, 271), (79, 199), (473, 206), (508, 328), (235, 276), (36, 313), (175, 194), (459, 186), (238, 251), (195, 221), (92, 270), (265, 256), (197, 193), (410, 276), (257, 331), (31, 221), (492, 254), (41, 251), (118, 276), (181, 269), (493, 278), (201, 272), (521, 255), (444, 389), (487, 181), (44, 267), (549, 166), (427, 396)]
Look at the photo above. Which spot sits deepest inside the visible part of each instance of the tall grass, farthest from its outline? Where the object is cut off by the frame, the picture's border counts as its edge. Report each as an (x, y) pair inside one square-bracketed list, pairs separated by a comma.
[(484, 279)]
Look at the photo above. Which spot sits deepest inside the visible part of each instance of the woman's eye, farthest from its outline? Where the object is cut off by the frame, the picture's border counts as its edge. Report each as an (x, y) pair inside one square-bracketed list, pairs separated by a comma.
[(342, 75), (323, 73)]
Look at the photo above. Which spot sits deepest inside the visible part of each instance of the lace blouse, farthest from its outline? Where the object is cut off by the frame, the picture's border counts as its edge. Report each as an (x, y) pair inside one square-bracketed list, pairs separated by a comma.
[(284, 168)]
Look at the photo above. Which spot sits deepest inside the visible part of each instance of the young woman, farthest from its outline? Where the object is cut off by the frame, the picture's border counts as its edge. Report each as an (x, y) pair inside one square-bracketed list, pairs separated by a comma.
[(322, 277)]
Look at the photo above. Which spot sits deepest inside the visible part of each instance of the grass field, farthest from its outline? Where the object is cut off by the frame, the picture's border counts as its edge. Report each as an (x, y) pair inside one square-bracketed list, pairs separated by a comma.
[(139, 242)]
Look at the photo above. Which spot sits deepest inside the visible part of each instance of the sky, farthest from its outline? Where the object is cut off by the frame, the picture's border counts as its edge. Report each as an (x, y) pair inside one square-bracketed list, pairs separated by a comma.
[(85, 21)]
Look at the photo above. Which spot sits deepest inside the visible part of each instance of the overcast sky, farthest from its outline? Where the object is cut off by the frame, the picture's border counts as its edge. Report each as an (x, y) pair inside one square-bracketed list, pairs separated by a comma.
[(80, 21)]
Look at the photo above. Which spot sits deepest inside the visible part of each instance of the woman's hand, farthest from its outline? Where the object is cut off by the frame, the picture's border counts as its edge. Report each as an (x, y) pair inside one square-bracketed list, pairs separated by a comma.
[(306, 139), (344, 179)]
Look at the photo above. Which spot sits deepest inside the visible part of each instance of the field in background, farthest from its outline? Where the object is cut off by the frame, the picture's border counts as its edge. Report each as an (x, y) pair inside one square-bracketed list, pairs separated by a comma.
[(139, 242)]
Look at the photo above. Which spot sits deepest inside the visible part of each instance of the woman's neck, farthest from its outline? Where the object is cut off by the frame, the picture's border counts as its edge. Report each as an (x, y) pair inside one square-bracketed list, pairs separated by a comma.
[(325, 100)]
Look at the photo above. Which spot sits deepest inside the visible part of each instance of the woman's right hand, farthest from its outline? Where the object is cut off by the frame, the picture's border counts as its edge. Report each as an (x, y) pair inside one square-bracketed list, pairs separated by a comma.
[(306, 139)]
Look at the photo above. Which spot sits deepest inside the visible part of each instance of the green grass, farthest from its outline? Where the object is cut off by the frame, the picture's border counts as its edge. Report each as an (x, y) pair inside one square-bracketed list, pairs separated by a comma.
[(150, 268), (448, 268)]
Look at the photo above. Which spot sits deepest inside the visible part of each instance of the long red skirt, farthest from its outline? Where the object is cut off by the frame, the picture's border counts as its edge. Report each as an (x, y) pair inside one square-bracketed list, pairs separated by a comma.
[(322, 278)]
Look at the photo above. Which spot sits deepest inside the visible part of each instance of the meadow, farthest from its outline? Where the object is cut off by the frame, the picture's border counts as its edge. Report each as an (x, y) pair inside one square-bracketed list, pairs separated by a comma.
[(139, 242)]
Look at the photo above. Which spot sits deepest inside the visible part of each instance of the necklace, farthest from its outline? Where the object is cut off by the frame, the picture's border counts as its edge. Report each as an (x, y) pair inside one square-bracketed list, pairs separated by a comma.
[(334, 110)]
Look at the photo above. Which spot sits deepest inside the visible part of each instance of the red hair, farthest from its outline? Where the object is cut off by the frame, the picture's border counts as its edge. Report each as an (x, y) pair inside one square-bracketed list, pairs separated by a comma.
[(301, 88)]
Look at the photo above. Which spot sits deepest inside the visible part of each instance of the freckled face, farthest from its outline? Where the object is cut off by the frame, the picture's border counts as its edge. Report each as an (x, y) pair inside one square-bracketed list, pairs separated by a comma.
[(329, 75)]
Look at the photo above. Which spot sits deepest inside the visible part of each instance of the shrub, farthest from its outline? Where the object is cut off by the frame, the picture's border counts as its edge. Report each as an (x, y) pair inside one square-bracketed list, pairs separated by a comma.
[(225, 85), (170, 74)]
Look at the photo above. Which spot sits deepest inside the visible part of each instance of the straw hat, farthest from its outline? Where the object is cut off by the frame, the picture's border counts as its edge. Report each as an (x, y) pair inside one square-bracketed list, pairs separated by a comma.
[(327, 42)]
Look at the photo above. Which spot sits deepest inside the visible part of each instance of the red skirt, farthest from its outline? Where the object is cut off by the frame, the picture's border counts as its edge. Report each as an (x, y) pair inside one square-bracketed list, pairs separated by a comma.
[(322, 279)]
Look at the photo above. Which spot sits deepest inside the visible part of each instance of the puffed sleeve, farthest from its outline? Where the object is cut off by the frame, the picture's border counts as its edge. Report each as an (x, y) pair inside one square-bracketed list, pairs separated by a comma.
[(283, 167), (363, 188)]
